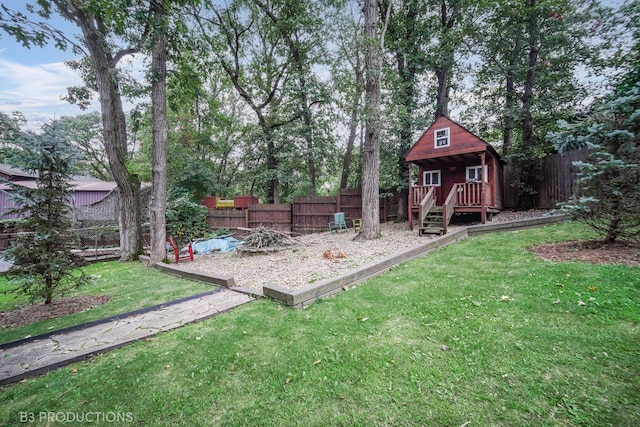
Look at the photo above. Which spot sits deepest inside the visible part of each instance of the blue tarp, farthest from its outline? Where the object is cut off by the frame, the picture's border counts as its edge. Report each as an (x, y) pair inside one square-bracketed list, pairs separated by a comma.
[(226, 244)]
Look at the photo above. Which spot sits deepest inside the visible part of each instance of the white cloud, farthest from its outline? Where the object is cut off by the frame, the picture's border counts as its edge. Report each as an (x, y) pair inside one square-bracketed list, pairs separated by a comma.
[(36, 90)]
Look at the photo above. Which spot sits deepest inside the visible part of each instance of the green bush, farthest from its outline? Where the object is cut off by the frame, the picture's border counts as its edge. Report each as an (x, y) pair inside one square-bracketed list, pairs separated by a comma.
[(186, 219)]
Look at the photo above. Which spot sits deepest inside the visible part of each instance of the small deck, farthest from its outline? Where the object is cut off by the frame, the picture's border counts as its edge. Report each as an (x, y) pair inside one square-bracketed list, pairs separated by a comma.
[(469, 197)]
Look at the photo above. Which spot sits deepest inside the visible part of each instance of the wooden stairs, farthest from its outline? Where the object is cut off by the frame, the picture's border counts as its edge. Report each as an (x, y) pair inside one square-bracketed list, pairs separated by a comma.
[(432, 223)]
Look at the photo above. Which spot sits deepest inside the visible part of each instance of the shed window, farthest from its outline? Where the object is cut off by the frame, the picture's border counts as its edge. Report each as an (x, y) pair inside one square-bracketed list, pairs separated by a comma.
[(474, 173), (432, 178), (441, 138)]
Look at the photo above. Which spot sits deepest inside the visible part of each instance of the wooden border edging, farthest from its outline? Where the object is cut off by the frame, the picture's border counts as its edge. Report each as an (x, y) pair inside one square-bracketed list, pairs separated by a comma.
[(226, 281), (521, 224), (299, 298)]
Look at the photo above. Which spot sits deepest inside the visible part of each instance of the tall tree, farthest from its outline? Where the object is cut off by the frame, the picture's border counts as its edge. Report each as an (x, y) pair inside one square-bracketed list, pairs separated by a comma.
[(607, 196), (348, 86), (95, 24), (451, 27), (43, 265), (531, 52), (299, 24), (85, 134), (252, 60), (408, 36), (158, 202), (374, 48), (98, 24)]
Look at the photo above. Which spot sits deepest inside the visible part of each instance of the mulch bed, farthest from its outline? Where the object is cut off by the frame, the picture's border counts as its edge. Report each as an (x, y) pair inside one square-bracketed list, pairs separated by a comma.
[(595, 252), (58, 307)]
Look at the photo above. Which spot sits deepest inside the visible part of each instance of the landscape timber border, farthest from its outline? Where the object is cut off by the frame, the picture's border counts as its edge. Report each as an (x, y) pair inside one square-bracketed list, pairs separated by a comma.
[(299, 298)]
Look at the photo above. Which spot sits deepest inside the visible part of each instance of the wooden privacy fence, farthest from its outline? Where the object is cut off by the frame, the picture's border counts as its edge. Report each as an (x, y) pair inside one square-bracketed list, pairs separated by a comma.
[(555, 184), (304, 215)]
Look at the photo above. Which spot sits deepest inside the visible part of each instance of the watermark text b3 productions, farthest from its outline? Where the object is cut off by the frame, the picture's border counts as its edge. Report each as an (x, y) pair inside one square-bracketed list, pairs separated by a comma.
[(64, 417)]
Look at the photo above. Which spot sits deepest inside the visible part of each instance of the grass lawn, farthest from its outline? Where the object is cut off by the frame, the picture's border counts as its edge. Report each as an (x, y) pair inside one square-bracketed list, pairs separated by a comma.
[(434, 342), (131, 286)]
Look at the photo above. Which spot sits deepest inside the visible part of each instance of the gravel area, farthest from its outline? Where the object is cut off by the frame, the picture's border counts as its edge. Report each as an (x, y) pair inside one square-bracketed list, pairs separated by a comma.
[(319, 256)]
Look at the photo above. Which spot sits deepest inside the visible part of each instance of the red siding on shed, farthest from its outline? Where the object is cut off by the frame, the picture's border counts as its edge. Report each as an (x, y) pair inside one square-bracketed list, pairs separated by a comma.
[(461, 142)]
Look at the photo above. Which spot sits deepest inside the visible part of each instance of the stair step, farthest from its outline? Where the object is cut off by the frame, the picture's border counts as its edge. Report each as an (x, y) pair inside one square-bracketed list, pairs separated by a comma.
[(430, 230), (433, 221)]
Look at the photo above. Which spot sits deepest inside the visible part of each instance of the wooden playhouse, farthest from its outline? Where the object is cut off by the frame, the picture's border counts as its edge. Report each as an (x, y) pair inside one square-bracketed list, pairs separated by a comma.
[(458, 172)]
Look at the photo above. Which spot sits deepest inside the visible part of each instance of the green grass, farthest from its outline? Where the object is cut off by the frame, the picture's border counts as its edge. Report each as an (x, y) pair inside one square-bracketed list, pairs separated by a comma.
[(428, 343), (130, 285)]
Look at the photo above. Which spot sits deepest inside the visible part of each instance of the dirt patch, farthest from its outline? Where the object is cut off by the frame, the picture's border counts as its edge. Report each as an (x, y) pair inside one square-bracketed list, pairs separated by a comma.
[(595, 252), (57, 308), (319, 256)]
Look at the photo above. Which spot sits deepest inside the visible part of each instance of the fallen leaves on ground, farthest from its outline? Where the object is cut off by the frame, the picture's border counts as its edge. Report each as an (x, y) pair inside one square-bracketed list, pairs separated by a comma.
[(332, 256), (595, 252), (57, 308)]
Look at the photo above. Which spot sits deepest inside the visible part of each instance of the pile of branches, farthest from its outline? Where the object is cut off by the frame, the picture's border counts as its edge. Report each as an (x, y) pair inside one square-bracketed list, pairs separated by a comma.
[(263, 239)]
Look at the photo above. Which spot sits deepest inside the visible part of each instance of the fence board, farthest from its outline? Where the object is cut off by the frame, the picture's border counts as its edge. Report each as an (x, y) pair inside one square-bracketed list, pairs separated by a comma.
[(312, 214), (556, 184), (350, 203), (277, 216), (230, 218)]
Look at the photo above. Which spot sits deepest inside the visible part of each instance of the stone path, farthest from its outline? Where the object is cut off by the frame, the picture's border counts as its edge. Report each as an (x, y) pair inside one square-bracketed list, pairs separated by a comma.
[(39, 355)]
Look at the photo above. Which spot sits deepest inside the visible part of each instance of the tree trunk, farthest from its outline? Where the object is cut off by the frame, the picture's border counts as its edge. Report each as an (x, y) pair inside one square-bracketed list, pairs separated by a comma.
[(509, 122), (527, 179), (442, 96), (353, 124), (444, 70), (371, 146), (306, 113), (404, 30), (407, 72), (114, 131), (158, 202), (613, 229), (273, 192), (527, 118)]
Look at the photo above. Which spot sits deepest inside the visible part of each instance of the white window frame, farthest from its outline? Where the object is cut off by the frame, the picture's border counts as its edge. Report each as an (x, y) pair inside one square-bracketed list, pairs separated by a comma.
[(446, 136), (476, 168), (430, 173)]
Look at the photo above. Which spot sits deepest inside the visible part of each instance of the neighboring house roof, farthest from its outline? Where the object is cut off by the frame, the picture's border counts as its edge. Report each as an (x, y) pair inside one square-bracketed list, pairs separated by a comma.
[(86, 190), (9, 172), (84, 185), (27, 179), (100, 186), (462, 141)]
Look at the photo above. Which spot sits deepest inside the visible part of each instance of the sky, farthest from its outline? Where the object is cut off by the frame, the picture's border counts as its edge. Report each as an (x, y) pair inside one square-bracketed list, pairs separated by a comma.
[(34, 80)]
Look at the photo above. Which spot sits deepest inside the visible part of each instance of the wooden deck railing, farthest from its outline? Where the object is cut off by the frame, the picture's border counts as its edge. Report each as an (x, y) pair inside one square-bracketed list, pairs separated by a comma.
[(449, 206), (419, 192), (425, 205), (470, 193)]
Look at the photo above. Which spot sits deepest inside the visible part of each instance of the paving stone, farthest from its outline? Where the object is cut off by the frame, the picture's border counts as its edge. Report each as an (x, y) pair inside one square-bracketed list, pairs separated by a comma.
[(39, 355)]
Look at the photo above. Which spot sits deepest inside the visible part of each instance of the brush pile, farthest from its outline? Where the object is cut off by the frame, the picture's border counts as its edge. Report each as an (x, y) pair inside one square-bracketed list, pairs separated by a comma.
[(263, 240)]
